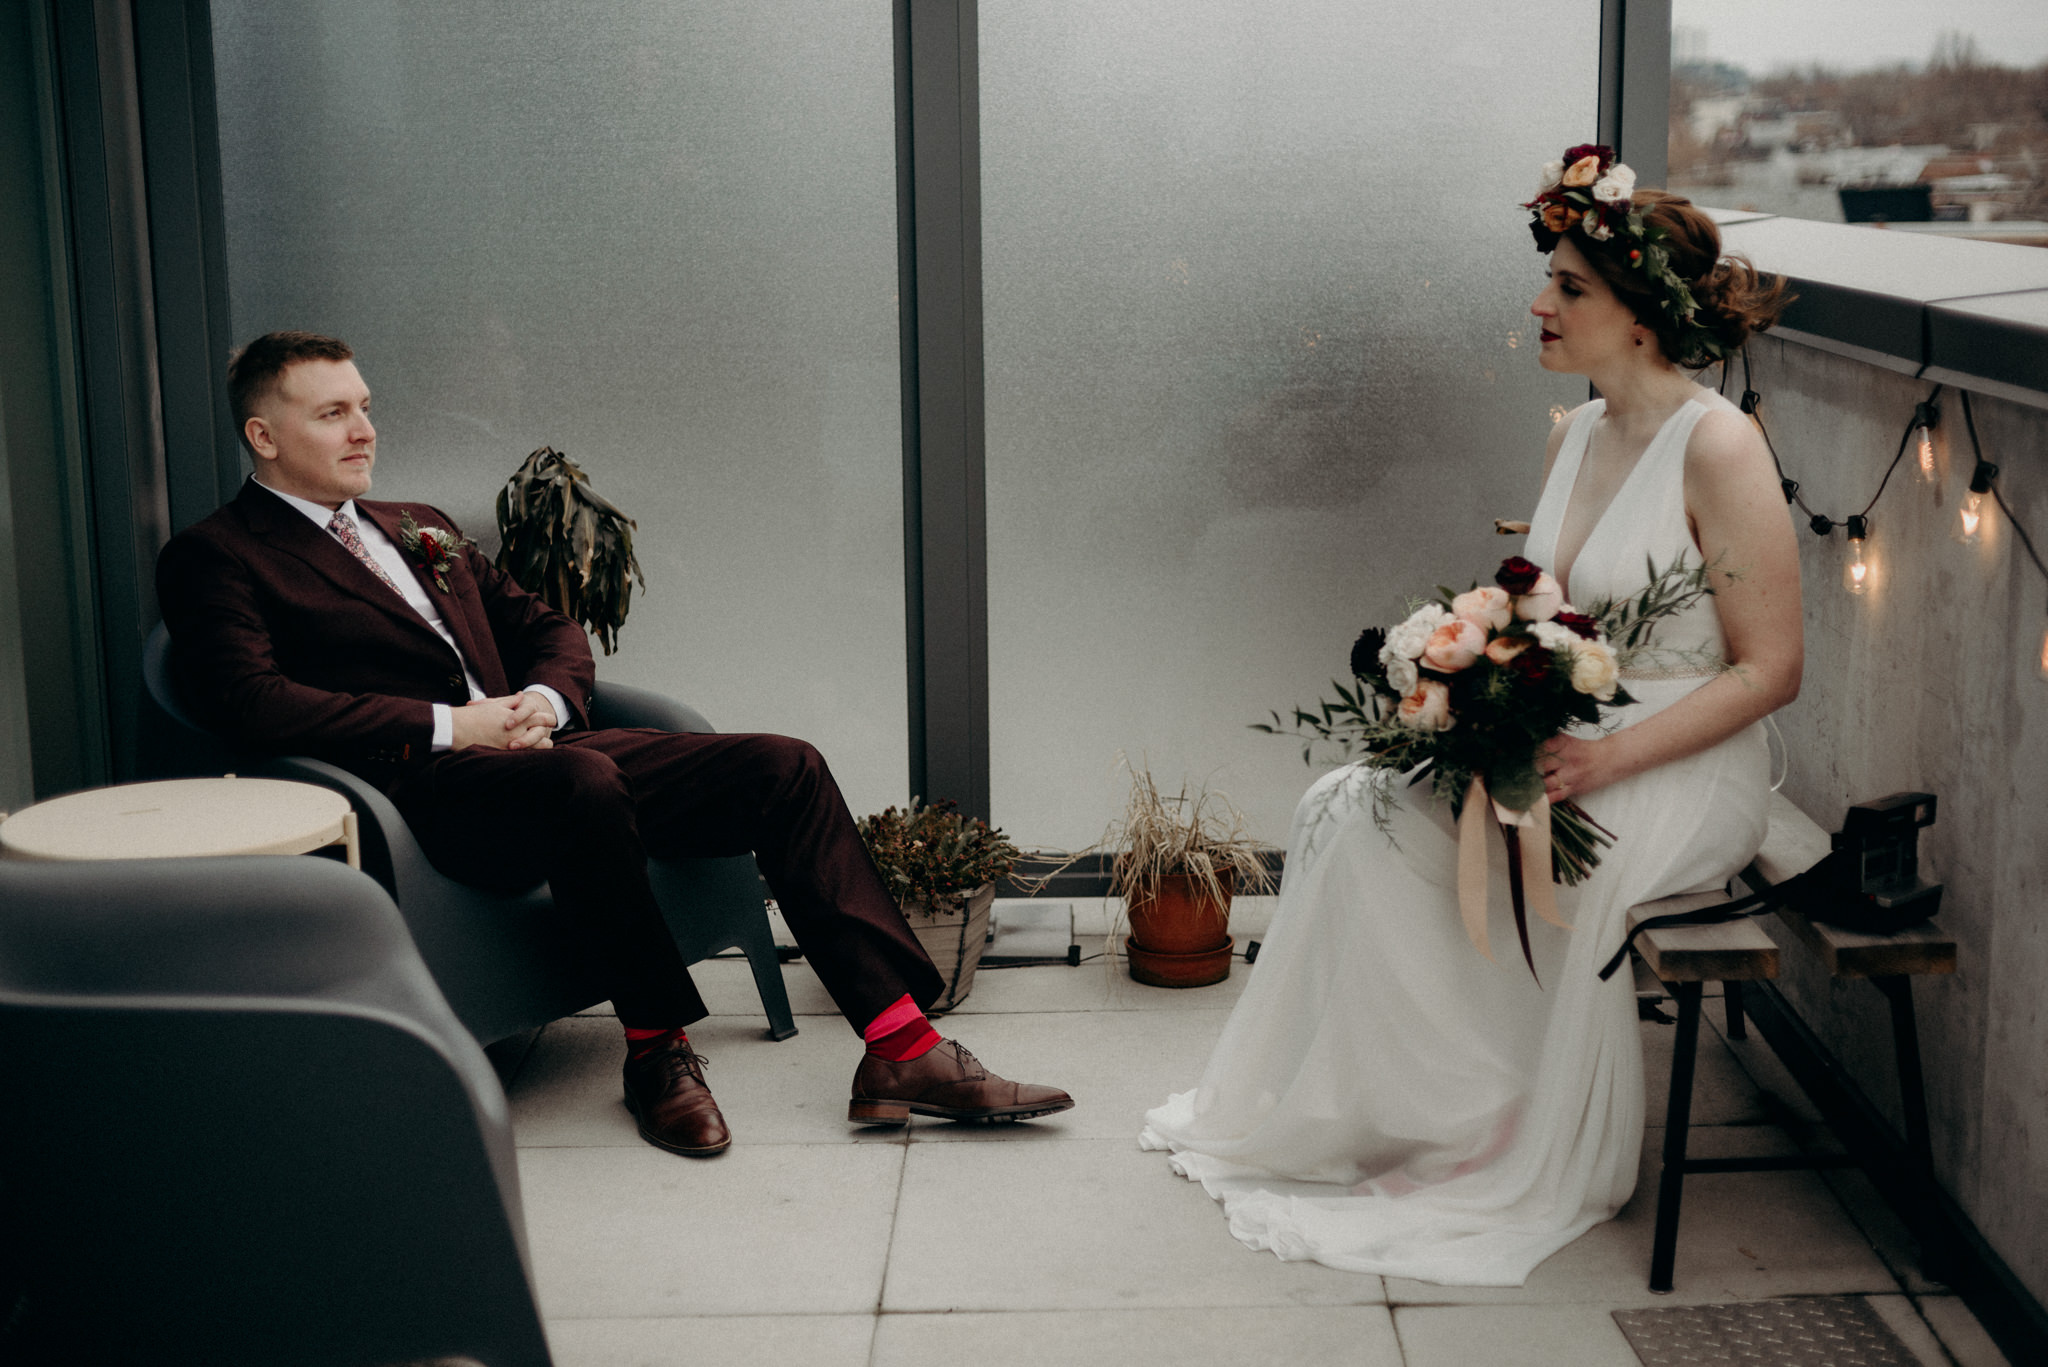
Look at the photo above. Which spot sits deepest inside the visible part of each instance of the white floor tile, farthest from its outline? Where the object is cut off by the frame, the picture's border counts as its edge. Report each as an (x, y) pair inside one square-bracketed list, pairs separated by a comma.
[(627, 1232), (791, 1091), (1741, 1236), (1904, 1320), (1521, 1335), (1960, 1333), (1079, 1224), (1298, 1336), (1765, 1071), (799, 1340), (1722, 1093), (727, 986), (1116, 1066)]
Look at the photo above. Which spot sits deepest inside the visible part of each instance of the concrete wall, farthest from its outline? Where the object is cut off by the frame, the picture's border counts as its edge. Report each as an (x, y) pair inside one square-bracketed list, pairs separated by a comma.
[(1932, 682)]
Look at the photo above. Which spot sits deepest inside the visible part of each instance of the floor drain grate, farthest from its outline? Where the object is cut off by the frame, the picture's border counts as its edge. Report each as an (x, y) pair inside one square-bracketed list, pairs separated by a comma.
[(1825, 1331)]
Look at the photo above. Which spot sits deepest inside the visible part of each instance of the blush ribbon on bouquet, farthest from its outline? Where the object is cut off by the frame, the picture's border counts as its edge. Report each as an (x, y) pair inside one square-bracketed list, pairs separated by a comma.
[(1528, 837)]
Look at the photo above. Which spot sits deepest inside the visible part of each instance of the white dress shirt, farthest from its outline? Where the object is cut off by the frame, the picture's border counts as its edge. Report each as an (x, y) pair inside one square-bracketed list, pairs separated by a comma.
[(394, 563)]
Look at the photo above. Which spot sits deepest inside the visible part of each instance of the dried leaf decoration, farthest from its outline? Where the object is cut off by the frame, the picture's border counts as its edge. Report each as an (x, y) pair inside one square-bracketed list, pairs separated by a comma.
[(568, 546)]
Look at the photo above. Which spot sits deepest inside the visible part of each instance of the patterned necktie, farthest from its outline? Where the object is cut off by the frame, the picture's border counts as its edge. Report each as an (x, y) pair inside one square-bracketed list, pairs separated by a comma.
[(344, 529)]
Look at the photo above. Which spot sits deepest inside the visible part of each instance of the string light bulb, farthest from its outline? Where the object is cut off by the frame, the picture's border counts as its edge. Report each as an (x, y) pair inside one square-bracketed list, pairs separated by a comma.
[(1925, 418), (1971, 520), (2044, 659), (1855, 573)]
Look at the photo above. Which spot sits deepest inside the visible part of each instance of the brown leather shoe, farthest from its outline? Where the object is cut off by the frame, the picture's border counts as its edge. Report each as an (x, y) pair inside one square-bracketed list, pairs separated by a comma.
[(947, 1082), (665, 1090)]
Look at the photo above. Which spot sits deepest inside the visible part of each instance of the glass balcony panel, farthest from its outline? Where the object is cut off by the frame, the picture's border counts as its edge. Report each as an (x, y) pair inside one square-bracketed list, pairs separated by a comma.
[(660, 238), (1259, 358)]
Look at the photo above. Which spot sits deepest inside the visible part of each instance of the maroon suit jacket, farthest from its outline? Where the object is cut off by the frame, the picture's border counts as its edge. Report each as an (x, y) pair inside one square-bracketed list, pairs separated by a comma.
[(285, 642)]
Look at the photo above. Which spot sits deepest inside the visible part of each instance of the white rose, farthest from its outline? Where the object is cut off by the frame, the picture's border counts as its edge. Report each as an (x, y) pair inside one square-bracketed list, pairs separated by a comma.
[(1427, 708), (1552, 173), (1594, 670), (1407, 640), (1402, 674), (1616, 186), (1551, 636), (1541, 602), (1595, 228), (1485, 607)]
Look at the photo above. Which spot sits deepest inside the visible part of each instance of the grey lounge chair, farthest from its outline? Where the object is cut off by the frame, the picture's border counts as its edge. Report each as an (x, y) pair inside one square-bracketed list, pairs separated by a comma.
[(242, 1127), (505, 964)]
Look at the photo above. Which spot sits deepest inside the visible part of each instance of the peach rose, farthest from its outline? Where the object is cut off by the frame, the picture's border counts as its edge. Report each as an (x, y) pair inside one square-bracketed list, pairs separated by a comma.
[(1428, 708), (1541, 602), (1454, 646), (1583, 172), (1560, 218), (1485, 607), (1501, 649)]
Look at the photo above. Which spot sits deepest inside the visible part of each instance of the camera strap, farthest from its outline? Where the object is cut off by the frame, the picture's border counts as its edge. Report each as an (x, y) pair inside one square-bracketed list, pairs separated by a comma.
[(1804, 887)]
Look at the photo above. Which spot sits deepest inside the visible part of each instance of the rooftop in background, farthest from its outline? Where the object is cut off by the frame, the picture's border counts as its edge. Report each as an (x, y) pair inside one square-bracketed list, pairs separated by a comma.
[(1956, 146)]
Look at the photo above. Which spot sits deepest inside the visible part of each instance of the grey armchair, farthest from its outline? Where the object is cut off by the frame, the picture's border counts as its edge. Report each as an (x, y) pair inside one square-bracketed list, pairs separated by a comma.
[(505, 964), (242, 1127)]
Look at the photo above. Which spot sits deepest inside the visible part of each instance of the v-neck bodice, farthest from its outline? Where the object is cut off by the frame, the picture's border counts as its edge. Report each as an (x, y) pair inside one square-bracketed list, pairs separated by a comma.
[(1643, 524)]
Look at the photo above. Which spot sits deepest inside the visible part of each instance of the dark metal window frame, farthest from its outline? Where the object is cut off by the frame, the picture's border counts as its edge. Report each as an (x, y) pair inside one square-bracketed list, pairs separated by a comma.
[(147, 245)]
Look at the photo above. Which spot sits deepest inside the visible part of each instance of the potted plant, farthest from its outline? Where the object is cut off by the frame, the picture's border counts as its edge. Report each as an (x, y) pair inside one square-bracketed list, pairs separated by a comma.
[(563, 543), (942, 868), (1179, 861)]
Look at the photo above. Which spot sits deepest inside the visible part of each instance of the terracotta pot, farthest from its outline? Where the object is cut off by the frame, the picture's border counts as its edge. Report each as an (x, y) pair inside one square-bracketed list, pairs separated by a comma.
[(1200, 969), (1180, 917), (954, 933)]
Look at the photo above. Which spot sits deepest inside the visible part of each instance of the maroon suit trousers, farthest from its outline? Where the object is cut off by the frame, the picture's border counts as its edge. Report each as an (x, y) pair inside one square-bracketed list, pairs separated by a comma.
[(586, 814)]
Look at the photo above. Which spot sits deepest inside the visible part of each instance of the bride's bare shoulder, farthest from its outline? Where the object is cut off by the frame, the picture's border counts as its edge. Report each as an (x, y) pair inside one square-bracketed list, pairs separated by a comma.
[(1724, 440), (1557, 435)]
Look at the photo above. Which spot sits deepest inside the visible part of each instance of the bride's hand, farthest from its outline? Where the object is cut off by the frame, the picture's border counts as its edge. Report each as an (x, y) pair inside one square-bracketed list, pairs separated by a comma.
[(1572, 767)]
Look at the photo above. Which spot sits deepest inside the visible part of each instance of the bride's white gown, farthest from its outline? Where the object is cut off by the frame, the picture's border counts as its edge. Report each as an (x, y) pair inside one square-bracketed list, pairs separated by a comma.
[(1384, 1099)]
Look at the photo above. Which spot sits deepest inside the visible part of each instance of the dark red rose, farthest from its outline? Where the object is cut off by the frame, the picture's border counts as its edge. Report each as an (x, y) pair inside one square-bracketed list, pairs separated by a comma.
[(1365, 652), (1517, 575), (1590, 149), (1579, 622), (1533, 665), (429, 547)]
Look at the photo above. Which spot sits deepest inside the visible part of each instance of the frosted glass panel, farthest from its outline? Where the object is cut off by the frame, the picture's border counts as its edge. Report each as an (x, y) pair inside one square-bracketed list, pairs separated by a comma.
[(659, 237), (1259, 361)]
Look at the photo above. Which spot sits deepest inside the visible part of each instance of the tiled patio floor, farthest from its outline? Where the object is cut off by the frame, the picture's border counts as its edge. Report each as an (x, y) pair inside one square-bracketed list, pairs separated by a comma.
[(812, 1242)]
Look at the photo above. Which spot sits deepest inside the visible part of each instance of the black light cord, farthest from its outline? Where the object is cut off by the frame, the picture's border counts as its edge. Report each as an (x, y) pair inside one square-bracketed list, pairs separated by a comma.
[(1821, 523), (1977, 449)]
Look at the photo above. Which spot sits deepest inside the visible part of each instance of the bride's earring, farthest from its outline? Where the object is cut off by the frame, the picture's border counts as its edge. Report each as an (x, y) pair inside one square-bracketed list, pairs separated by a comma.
[(1639, 341)]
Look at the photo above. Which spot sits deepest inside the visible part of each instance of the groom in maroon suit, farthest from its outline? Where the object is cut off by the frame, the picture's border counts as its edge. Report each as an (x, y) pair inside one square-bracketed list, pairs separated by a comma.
[(306, 620)]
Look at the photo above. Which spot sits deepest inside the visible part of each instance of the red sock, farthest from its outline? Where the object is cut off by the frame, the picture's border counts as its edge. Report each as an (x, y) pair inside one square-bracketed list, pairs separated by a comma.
[(639, 1042), (901, 1032)]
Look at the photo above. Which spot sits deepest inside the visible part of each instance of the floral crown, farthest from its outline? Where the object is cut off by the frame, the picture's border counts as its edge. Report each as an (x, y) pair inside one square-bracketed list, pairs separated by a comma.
[(1589, 190)]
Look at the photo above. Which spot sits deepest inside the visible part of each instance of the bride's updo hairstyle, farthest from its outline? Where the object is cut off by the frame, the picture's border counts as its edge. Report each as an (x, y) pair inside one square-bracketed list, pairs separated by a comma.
[(1659, 254), (1733, 298)]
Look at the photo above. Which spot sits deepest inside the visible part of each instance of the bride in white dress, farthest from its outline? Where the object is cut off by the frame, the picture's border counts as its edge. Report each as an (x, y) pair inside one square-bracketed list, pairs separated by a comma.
[(1384, 1099)]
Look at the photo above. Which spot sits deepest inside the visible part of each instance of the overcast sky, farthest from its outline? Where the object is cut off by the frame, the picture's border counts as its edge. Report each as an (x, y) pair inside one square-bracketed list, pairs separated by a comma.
[(1852, 34)]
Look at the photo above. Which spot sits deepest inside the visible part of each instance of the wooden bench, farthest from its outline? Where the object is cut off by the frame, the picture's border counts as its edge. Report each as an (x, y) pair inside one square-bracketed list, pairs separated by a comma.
[(1685, 958)]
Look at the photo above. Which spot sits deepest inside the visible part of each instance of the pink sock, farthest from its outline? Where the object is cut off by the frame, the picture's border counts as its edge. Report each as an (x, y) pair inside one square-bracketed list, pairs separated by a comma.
[(639, 1042), (901, 1032)]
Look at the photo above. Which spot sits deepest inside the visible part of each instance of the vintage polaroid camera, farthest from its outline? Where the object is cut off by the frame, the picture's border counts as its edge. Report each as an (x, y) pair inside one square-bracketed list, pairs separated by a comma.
[(1876, 888)]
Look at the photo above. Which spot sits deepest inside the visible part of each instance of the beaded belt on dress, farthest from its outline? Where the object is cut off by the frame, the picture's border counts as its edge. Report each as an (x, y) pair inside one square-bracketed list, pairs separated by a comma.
[(1703, 671)]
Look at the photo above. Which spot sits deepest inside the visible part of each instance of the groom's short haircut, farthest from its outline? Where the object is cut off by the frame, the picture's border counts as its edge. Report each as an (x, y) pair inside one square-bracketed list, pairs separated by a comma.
[(255, 370)]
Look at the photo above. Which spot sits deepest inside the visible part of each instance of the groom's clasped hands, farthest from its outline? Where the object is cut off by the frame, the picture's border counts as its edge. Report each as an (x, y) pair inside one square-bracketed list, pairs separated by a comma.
[(522, 721)]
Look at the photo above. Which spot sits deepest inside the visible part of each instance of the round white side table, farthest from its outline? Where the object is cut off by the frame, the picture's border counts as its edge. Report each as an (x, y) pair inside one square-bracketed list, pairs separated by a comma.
[(183, 818)]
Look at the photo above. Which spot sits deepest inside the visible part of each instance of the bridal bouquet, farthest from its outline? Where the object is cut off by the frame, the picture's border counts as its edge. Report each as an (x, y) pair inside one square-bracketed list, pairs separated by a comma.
[(1465, 692)]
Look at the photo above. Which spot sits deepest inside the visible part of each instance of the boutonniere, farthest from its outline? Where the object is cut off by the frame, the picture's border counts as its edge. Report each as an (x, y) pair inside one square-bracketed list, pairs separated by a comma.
[(432, 548)]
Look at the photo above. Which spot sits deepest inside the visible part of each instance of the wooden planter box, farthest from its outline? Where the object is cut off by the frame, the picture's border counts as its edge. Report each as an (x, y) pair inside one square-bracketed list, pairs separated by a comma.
[(954, 933)]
